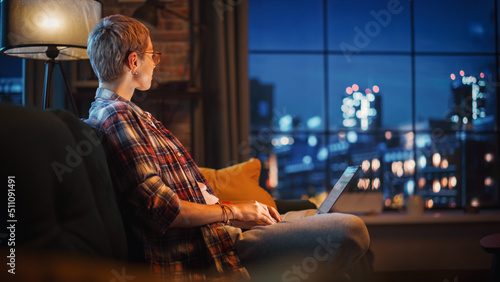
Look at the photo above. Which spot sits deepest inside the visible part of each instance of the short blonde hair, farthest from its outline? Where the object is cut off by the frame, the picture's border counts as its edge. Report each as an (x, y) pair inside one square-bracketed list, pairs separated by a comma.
[(110, 43)]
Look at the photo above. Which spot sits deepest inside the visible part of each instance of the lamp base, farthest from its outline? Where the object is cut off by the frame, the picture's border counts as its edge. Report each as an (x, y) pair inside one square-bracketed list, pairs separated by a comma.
[(47, 90)]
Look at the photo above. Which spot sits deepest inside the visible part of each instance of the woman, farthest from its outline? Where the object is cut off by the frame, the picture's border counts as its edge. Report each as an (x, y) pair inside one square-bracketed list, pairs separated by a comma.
[(167, 201)]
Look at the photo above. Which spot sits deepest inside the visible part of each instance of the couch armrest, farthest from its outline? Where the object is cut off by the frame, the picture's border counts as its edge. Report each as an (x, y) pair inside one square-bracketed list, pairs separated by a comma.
[(285, 206)]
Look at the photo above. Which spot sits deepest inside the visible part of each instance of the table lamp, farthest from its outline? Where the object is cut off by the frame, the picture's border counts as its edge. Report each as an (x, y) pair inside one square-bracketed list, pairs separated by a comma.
[(49, 30)]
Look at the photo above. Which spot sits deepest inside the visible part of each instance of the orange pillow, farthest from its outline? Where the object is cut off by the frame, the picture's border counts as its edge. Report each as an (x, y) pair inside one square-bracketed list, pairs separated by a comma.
[(239, 182)]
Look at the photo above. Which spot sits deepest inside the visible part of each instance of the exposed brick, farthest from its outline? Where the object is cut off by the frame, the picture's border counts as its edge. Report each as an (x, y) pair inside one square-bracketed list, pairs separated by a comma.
[(128, 10), (169, 35), (176, 47), (166, 59), (175, 71), (172, 24), (181, 11), (178, 3), (106, 11)]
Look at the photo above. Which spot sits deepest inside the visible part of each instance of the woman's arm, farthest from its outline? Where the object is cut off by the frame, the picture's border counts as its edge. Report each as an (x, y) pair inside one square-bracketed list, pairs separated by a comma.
[(193, 214)]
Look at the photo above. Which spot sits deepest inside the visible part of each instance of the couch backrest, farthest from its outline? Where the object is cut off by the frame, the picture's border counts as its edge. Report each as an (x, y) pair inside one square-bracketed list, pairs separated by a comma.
[(64, 199)]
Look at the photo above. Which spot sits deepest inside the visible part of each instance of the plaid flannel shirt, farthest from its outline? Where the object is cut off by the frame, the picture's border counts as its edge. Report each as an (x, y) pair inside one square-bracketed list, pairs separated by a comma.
[(152, 172)]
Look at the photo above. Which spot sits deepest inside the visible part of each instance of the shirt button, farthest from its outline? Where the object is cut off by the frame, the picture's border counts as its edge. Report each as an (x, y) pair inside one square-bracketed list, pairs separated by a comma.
[(179, 154)]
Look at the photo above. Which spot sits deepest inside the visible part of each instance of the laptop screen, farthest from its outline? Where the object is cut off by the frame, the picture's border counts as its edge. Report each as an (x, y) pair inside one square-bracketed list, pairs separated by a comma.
[(337, 189)]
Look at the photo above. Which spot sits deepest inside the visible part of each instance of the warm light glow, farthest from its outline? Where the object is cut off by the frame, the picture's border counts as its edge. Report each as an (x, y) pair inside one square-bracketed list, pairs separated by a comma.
[(394, 167), (366, 183), (421, 182), (488, 157), (436, 159), (376, 89), (444, 181), (429, 203), (272, 180), (444, 164), (436, 186), (475, 203), (398, 200), (388, 135), (453, 182), (409, 167), (410, 136), (355, 87), (452, 76), (375, 165), (481, 75), (400, 171), (368, 91), (365, 165), (284, 140), (376, 183), (387, 202), (488, 181), (349, 90), (397, 168), (275, 142), (462, 73), (49, 23)]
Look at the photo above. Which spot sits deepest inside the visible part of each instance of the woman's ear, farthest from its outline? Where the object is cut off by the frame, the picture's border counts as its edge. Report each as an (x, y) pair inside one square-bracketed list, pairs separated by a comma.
[(133, 62)]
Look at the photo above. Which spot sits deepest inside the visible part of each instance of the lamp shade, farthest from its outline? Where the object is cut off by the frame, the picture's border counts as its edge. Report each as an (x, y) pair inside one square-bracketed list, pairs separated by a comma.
[(48, 29)]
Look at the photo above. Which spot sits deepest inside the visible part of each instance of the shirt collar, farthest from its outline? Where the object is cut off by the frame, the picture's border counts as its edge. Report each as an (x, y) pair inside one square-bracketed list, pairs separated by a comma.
[(106, 94)]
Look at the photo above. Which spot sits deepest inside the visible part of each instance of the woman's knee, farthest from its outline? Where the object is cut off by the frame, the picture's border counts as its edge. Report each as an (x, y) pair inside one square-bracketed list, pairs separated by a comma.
[(356, 234)]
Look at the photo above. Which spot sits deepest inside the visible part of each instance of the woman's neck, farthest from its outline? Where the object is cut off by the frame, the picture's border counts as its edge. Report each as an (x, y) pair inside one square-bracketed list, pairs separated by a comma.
[(122, 89)]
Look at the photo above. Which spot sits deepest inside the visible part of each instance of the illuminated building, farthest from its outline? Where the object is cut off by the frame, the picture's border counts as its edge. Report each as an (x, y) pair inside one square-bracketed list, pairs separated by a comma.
[(469, 98), (361, 109)]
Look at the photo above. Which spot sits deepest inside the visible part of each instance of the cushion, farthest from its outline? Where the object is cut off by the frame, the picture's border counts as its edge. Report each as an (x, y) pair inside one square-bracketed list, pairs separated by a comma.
[(239, 182)]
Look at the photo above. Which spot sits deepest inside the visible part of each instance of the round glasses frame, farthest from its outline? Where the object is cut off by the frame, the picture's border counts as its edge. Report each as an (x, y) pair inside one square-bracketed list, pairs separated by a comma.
[(155, 56)]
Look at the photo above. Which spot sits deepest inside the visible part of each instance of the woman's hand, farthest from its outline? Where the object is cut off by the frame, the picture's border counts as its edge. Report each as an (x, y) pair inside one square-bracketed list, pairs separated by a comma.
[(253, 213)]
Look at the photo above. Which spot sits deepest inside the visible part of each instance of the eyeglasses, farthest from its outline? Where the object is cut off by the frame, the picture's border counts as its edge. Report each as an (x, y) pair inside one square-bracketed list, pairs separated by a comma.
[(155, 56)]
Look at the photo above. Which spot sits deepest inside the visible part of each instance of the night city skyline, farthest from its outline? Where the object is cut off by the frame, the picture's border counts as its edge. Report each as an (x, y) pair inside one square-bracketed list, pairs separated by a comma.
[(307, 56)]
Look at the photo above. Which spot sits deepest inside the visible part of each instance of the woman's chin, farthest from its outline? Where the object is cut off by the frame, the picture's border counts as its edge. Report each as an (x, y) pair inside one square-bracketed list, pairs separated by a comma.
[(144, 88)]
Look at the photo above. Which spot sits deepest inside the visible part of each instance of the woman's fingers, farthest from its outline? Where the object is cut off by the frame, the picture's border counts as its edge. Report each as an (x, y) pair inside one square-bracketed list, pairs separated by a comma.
[(274, 213), (265, 212), (255, 211)]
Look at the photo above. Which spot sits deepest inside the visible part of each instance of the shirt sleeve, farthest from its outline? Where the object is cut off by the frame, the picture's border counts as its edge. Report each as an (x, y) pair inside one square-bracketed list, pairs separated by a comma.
[(137, 172)]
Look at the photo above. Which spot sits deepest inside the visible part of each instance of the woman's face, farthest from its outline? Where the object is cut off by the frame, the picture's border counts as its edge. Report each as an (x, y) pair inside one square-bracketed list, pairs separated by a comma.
[(146, 67)]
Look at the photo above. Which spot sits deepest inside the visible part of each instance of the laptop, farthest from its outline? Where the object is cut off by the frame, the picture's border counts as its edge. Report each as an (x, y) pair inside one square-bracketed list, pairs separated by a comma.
[(347, 179)]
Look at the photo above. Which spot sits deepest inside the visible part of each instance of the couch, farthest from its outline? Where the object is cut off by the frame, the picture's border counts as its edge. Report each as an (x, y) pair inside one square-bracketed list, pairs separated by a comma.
[(62, 203)]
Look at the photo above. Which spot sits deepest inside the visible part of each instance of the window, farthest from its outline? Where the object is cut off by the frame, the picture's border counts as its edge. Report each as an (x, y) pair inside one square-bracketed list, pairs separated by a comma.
[(11, 80), (405, 89)]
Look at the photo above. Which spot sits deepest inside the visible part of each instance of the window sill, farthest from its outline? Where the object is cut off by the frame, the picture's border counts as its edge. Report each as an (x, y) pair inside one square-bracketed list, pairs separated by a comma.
[(432, 217)]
